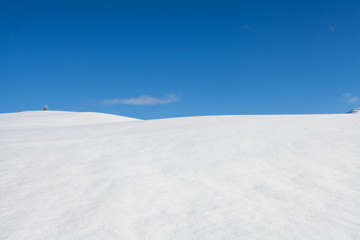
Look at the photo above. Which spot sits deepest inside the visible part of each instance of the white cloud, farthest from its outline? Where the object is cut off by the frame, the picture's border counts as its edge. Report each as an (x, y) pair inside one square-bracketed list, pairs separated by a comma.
[(143, 100), (349, 98)]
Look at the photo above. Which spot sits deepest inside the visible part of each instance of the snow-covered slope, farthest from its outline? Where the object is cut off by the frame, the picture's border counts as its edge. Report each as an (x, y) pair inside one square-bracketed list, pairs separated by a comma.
[(356, 111), (48, 119), (220, 177)]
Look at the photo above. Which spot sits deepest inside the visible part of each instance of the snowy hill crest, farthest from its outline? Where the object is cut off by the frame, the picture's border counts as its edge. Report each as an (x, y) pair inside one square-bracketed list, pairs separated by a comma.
[(354, 111)]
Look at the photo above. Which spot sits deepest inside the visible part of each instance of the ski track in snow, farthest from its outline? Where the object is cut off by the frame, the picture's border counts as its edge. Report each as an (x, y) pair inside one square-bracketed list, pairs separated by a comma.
[(70, 175)]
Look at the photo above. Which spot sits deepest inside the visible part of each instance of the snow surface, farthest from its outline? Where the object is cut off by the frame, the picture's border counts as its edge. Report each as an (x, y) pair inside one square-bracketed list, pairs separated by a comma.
[(354, 111), (50, 119), (70, 175)]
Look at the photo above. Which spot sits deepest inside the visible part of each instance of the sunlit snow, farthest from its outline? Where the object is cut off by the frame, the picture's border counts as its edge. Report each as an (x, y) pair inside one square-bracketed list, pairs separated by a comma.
[(70, 175)]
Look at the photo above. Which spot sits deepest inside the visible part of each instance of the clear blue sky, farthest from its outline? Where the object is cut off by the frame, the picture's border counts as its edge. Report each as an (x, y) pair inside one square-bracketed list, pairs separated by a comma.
[(155, 59)]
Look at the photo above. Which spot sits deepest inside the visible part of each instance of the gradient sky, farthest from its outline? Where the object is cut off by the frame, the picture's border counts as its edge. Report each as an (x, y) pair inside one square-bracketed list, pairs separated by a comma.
[(156, 59)]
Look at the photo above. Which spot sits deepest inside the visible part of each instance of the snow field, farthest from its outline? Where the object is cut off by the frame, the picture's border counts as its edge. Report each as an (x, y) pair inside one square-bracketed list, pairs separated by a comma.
[(91, 176)]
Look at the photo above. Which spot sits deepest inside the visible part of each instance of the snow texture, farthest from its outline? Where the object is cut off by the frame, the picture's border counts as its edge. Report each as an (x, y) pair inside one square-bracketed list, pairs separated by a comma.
[(70, 175)]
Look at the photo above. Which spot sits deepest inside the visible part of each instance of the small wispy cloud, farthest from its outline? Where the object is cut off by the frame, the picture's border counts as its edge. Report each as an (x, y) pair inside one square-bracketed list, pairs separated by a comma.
[(143, 100), (349, 98), (331, 28)]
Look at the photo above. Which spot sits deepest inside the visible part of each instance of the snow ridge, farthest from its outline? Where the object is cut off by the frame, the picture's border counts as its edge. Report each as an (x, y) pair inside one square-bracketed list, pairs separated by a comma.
[(354, 111)]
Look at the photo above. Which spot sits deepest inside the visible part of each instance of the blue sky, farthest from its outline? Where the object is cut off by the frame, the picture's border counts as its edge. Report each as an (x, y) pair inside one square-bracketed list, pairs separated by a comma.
[(156, 59)]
